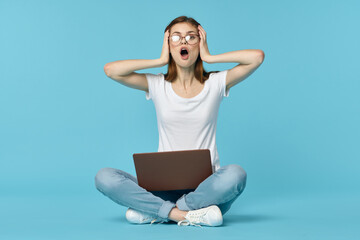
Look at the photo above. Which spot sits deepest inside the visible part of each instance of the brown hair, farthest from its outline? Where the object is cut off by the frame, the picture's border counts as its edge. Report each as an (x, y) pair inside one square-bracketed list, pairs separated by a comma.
[(200, 73)]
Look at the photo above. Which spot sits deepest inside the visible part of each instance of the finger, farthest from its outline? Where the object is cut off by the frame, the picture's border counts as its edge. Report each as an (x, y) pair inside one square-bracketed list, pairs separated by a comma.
[(202, 29), (202, 32), (202, 36)]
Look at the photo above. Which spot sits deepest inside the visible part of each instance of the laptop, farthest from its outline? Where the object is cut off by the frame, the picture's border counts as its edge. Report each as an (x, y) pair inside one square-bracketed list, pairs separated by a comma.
[(172, 170)]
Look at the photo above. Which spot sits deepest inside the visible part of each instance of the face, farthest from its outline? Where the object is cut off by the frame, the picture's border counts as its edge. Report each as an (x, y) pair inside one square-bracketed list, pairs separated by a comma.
[(183, 29)]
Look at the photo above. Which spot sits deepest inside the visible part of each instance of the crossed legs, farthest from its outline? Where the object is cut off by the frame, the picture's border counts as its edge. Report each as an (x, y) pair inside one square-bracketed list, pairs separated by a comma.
[(222, 188)]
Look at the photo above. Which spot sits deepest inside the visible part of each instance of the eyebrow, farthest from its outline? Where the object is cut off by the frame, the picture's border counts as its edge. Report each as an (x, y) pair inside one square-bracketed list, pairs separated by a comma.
[(186, 32)]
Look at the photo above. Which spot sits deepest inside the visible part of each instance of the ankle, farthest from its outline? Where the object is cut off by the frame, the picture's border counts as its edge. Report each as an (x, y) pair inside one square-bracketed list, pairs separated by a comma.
[(177, 215)]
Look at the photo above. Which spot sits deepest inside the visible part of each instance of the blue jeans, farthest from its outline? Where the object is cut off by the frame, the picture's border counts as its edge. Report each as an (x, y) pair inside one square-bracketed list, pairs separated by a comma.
[(222, 188)]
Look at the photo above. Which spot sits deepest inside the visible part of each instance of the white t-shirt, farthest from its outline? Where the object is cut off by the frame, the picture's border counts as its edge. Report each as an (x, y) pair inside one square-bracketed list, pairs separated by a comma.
[(188, 123)]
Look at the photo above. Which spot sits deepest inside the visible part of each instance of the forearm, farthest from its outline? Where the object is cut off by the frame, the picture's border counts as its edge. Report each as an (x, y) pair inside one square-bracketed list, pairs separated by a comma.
[(247, 56), (125, 67)]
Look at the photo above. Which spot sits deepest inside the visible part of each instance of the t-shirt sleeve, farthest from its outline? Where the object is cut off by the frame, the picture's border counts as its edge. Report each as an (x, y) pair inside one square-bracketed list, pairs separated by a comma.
[(153, 82), (221, 80)]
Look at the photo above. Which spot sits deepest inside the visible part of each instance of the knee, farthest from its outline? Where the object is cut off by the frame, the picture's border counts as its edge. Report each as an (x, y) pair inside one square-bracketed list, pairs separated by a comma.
[(103, 178), (237, 176)]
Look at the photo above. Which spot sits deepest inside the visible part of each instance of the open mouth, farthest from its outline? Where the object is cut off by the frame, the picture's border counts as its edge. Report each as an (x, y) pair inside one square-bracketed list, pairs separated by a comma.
[(184, 53)]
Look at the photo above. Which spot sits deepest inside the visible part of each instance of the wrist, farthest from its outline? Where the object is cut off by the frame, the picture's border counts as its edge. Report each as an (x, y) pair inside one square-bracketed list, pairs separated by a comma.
[(160, 62), (209, 59)]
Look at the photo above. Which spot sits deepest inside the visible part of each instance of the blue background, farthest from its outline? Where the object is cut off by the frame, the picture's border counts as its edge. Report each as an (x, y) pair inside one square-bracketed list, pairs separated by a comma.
[(293, 125)]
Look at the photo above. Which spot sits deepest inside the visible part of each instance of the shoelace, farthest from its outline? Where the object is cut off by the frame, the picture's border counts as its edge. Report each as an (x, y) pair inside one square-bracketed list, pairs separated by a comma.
[(187, 222), (154, 220), (196, 217)]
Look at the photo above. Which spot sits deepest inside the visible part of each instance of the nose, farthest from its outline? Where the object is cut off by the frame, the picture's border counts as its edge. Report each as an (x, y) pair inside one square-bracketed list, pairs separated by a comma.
[(183, 40)]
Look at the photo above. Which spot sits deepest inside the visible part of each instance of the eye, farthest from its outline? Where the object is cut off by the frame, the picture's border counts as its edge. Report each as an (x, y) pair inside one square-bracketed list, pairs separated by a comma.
[(175, 38), (188, 37)]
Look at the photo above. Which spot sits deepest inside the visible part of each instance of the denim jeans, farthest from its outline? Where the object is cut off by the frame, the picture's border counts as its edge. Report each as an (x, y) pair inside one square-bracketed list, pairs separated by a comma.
[(221, 188)]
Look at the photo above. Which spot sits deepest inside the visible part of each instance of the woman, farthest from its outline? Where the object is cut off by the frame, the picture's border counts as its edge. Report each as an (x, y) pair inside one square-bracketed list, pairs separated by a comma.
[(187, 100)]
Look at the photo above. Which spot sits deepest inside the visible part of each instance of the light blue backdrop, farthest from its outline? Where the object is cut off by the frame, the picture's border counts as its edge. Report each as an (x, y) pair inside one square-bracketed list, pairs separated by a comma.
[(293, 125)]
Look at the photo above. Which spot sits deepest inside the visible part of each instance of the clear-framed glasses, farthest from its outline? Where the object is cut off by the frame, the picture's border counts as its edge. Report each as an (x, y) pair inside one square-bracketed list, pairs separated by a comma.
[(190, 39)]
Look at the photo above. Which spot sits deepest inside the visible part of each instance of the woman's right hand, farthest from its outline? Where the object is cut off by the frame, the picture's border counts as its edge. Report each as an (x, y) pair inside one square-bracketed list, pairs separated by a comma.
[(165, 49)]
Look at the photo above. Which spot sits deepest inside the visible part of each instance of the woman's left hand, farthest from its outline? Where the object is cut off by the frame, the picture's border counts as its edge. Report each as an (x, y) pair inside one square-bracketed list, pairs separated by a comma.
[(204, 51)]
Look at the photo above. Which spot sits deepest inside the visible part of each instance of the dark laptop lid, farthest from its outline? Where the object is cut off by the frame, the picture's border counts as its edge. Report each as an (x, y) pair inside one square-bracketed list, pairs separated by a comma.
[(172, 170)]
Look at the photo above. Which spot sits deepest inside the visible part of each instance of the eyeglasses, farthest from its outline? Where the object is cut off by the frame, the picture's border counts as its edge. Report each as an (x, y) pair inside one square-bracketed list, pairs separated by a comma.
[(190, 39)]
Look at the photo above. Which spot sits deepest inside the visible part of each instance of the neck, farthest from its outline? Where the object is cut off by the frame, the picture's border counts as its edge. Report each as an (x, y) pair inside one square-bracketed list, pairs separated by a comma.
[(185, 76)]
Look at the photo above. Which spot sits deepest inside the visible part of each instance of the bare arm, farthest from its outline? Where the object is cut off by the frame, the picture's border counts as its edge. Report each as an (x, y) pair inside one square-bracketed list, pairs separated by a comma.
[(125, 67), (249, 60), (123, 71)]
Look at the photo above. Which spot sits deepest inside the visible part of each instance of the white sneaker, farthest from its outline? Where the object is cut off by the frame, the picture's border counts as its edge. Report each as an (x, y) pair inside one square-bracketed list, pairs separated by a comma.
[(134, 216), (209, 216)]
